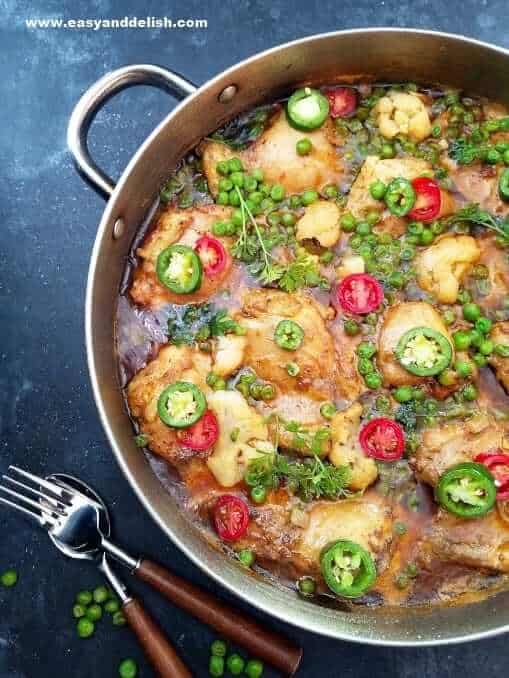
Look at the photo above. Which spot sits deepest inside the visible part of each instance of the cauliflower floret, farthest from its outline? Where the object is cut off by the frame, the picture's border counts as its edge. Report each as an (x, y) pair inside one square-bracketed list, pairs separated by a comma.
[(321, 222), (347, 450), (441, 267), (230, 458), (350, 264), (402, 113), (228, 354)]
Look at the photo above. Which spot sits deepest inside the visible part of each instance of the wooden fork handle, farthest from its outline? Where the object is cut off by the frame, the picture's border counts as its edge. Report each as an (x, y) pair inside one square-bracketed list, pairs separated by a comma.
[(230, 623), (160, 653)]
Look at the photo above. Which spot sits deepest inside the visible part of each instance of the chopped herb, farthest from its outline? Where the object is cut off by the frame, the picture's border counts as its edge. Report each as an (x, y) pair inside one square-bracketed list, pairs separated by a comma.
[(141, 440), (464, 151), (302, 272), (406, 415), (400, 528)]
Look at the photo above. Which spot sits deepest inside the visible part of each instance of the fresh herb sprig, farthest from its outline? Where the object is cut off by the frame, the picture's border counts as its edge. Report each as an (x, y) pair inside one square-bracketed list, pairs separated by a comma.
[(310, 479), (302, 272), (473, 214)]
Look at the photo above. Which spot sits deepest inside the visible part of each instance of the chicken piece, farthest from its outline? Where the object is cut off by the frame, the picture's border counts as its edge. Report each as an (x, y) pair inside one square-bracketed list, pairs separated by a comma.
[(352, 263), (347, 450), (228, 353), (275, 153), (320, 222), (173, 363), (184, 227), (483, 542), (493, 296), (452, 443), (500, 335), (229, 460), (398, 320), (262, 310), (478, 183), (442, 267), (360, 202), (402, 113), (366, 521)]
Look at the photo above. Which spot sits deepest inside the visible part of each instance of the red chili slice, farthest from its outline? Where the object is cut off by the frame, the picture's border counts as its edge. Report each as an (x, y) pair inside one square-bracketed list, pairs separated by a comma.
[(383, 439), (202, 435), (360, 293), (212, 253), (498, 464), (342, 101), (428, 200), (231, 517)]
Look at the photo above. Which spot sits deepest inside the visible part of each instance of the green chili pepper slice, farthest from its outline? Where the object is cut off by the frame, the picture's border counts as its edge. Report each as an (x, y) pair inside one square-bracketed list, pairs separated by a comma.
[(348, 569), (400, 197), (424, 352), (503, 185), (181, 404), (468, 490), (288, 335), (307, 108), (179, 269)]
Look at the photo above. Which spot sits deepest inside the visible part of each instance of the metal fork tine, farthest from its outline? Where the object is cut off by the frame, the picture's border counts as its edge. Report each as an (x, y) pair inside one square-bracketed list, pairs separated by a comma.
[(46, 497), (52, 487), (27, 512), (49, 511)]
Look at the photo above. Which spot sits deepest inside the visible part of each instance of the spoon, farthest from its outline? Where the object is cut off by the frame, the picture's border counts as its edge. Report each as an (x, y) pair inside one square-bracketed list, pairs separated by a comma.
[(92, 535)]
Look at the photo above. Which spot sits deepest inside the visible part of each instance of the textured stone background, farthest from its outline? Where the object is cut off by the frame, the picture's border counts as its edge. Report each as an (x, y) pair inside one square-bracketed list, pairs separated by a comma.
[(48, 222)]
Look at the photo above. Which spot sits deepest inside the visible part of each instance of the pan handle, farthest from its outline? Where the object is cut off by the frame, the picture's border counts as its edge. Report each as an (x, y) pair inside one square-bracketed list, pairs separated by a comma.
[(97, 95)]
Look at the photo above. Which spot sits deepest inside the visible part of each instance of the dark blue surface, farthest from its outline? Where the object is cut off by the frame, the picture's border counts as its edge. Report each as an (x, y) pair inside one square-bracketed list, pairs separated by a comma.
[(48, 221)]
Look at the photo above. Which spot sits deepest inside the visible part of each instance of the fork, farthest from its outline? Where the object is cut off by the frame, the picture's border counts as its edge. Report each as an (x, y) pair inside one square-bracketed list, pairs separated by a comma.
[(55, 510)]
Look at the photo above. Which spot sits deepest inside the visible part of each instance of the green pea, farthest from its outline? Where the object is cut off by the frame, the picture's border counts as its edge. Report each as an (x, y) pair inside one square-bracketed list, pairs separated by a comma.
[(237, 179), (469, 393), (415, 228), (366, 349), (273, 219), (306, 586), (330, 192), (235, 664), (85, 627), (309, 197), (223, 198), (246, 557), (348, 222), (351, 327), (216, 666), (365, 366), (94, 612), (222, 167), (447, 378), (437, 227), (363, 228), (128, 669), (383, 404), (219, 385), (259, 494), (483, 325), (268, 392), (327, 257), (418, 394), (288, 219), (254, 668), (463, 368), (211, 379), (387, 151), (430, 406), (78, 611), (218, 648), (407, 252), (377, 190), (426, 237), (267, 204), (255, 197), (219, 228), (365, 250), (101, 594), (479, 360), (9, 578), (250, 184), (328, 410), (396, 279), (304, 146), (412, 239), (471, 312), (277, 193), (229, 228), (84, 598), (112, 606), (502, 350), (462, 340), (403, 394), (492, 156), (295, 202), (225, 185), (233, 198), (486, 347), (372, 218), (293, 369), (235, 165), (373, 380), (258, 175), (464, 296), (119, 619)]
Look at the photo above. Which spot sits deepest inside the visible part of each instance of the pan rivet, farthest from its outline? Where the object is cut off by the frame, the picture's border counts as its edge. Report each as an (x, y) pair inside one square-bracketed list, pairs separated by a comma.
[(227, 94), (118, 229)]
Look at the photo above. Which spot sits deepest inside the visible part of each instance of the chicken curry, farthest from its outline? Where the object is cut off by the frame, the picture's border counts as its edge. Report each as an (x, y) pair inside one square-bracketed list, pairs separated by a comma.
[(313, 335)]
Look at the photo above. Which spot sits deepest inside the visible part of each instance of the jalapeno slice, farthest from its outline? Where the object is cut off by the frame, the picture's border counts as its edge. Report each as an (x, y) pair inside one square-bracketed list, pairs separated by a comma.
[(468, 490), (348, 569), (424, 351), (503, 185), (400, 197), (181, 404), (179, 269), (288, 335), (307, 108)]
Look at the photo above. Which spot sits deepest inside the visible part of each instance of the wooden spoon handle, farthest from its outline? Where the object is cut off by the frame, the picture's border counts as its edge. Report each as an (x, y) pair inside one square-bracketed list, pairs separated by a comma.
[(160, 653), (230, 623)]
